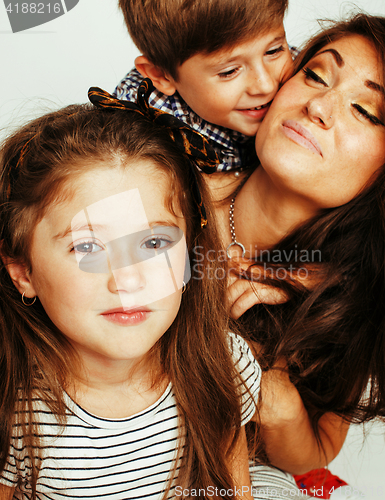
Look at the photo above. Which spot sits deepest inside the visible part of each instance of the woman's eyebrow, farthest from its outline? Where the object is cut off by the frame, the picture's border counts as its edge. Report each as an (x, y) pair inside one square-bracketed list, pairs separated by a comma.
[(337, 56), (340, 63), (375, 86)]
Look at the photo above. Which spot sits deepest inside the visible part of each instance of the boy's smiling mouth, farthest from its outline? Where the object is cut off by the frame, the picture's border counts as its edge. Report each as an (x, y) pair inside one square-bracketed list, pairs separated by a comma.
[(257, 112)]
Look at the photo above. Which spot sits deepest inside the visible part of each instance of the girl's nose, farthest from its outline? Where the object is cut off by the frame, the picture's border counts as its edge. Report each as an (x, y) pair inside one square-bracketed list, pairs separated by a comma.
[(127, 279), (261, 82), (321, 109)]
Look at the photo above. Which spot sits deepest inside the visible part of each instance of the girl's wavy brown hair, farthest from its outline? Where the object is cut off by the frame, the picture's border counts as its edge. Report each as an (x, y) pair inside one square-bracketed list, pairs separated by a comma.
[(332, 332), (38, 165)]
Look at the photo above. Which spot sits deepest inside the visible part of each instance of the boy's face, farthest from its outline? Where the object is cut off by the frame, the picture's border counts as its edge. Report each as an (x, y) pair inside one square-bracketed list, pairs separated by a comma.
[(234, 87)]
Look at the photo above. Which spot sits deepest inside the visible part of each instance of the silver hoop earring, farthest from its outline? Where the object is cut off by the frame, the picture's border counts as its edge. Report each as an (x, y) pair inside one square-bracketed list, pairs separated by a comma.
[(26, 303), (184, 287)]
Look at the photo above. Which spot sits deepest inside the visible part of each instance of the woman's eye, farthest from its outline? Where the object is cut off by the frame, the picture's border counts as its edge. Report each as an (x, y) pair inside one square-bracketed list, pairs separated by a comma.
[(372, 118), (275, 51), (156, 243), (87, 247), (310, 74), (229, 73)]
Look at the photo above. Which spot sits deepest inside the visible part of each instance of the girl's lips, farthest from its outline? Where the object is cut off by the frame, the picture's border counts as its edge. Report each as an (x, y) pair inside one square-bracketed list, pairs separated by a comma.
[(127, 317), (300, 135)]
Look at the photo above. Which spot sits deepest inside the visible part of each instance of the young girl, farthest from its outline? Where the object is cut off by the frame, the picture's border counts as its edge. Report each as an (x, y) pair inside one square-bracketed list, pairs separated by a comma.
[(113, 384)]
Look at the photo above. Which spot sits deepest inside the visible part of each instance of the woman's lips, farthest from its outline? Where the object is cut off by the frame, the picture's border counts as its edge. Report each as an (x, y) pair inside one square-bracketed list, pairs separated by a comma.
[(127, 317), (301, 136)]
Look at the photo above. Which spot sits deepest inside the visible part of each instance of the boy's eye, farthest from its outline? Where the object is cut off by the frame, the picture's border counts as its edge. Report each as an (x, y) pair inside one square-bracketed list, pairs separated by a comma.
[(372, 118), (87, 247), (274, 51), (155, 243), (229, 73), (312, 75)]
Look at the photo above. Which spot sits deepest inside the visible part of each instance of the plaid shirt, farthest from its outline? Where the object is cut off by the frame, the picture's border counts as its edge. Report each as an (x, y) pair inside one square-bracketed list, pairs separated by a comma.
[(235, 150)]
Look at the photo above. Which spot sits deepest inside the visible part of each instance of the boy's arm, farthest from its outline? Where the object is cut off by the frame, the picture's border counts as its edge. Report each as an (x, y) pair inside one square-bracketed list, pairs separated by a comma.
[(289, 438)]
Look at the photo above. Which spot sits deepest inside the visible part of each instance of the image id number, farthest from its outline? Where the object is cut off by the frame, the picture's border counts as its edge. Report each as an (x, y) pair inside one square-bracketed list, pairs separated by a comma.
[(34, 8)]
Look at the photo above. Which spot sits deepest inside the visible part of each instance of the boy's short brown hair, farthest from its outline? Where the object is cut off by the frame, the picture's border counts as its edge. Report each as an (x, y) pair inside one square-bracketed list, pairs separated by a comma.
[(168, 32)]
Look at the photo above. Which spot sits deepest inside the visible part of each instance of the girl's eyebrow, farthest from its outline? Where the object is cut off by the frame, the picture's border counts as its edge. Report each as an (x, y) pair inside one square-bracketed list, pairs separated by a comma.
[(98, 227), (83, 227)]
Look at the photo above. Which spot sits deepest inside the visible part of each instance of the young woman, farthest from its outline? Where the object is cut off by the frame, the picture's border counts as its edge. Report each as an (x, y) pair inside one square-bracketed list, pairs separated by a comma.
[(312, 219)]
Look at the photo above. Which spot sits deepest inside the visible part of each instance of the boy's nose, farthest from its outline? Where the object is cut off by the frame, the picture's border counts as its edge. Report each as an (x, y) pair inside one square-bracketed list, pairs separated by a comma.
[(261, 82)]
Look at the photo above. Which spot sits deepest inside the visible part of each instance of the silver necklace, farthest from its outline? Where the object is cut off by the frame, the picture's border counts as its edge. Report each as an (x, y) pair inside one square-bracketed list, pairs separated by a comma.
[(234, 242)]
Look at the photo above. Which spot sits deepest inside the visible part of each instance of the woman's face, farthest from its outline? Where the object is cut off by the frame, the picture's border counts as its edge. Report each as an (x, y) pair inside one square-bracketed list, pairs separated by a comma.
[(324, 136)]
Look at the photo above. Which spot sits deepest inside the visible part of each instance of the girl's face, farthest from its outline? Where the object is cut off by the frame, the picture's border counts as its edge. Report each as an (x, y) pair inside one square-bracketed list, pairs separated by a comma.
[(324, 137), (108, 262)]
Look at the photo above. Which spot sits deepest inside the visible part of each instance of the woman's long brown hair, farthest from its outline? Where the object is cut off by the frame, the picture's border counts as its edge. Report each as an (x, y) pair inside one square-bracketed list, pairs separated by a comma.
[(332, 329), (38, 165)]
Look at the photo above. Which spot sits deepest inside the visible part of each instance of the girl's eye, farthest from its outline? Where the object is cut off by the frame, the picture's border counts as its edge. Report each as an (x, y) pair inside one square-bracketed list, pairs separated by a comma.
[(276, 50), (156, 243), (87, 247), (229, 73), (372, 118), (311, 75)]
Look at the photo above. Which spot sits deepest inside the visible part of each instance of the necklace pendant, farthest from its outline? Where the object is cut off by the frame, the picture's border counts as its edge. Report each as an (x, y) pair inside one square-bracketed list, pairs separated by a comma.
[(235, 244)]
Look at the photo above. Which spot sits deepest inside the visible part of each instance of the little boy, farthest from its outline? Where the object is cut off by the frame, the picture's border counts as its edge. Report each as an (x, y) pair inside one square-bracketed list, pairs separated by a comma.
[(216, 65)]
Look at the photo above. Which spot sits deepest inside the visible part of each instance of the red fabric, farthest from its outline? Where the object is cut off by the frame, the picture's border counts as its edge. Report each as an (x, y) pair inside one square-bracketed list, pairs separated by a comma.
[(319, 483)]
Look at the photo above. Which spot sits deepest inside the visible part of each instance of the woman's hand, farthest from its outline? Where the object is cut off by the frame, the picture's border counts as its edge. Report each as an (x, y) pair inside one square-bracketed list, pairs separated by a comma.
[(280, 402), (243, 294), (290, 442)]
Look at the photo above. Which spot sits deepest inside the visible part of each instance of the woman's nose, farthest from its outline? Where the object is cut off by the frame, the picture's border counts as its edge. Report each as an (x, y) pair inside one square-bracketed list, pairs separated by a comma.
[(262, 82), (321, 109)]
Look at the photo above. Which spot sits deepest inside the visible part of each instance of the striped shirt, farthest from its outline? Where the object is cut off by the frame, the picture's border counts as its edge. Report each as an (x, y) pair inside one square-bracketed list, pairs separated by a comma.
[(130, 458)]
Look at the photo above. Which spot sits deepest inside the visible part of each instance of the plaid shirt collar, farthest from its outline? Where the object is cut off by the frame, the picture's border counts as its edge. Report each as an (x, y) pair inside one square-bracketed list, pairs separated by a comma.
[(177, 106)]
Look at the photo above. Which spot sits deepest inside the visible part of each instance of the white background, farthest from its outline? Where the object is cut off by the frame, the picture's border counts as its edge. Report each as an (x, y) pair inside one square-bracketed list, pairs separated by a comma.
[(54, 64)]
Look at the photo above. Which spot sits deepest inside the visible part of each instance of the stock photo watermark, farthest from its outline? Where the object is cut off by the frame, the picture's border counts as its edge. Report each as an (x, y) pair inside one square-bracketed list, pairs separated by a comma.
[(271, 492), (24, 15), (271, 264)]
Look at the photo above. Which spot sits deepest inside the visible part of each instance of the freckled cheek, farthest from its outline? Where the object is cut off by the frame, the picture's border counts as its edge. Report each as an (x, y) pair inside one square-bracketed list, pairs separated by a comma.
[(366, 152), (221, 102), (68, 287), (378, 150), (289, 98), (227, 94), (284, 71)]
